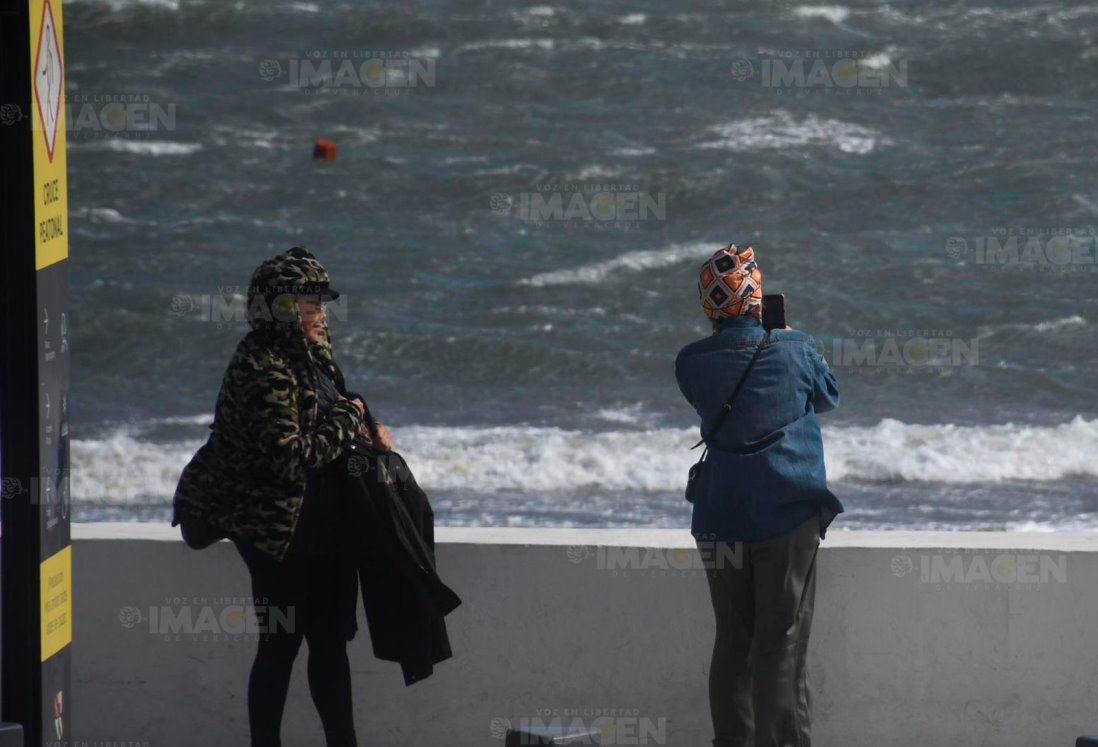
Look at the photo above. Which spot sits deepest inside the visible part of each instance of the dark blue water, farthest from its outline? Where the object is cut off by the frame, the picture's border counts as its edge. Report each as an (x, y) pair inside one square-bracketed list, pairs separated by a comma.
[(924, 186)]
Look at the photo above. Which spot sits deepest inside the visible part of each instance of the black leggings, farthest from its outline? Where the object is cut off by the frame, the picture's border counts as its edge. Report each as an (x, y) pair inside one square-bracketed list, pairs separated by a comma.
[(310, 598)]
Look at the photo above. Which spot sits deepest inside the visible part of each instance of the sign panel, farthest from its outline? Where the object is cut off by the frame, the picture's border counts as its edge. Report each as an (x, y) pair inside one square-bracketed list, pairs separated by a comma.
[(56, 590), (36, 552), (51, 204)]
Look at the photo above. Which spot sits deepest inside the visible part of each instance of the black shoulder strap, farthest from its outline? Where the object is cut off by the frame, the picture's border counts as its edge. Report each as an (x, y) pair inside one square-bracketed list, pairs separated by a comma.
[(735, 392)]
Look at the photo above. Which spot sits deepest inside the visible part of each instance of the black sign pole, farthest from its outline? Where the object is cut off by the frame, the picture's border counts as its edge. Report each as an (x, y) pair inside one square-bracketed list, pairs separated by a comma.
[(35, 541)]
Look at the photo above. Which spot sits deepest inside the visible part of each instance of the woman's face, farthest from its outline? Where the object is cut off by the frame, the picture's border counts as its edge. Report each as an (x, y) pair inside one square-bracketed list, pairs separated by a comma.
[(312, 317)]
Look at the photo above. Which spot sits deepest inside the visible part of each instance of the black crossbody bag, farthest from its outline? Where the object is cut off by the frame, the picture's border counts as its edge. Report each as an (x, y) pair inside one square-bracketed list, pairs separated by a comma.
[(695, 470)]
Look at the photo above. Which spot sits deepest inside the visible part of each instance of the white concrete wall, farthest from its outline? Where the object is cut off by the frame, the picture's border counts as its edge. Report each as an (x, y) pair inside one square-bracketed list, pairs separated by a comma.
[(547, 629)]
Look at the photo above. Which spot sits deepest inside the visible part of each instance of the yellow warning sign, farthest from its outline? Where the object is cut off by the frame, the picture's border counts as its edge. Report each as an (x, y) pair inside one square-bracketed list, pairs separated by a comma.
[(56, 594), (51, 200)]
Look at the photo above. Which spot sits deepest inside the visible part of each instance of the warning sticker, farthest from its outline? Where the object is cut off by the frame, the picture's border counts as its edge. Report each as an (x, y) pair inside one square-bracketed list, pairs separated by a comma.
[(49, 78), (56, 593), (51, 199)]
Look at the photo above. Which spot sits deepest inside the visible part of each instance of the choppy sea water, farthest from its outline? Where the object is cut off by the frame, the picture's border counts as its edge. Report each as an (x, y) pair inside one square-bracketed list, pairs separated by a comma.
[(520, 202)]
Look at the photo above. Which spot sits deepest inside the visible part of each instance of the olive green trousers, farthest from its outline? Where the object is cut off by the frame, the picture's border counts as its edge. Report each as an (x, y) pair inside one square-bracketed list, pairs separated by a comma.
[(763, 595)]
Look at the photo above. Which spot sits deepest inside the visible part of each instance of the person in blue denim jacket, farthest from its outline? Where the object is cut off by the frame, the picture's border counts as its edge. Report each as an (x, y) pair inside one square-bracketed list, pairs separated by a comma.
[(761, 503)]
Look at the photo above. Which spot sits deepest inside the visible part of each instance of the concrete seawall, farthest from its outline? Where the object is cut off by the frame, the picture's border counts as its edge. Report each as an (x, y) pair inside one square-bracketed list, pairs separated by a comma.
[(920, 638)]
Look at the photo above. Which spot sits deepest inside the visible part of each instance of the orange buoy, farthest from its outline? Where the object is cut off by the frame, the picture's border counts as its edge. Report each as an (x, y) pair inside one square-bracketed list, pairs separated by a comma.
[(325, 150)]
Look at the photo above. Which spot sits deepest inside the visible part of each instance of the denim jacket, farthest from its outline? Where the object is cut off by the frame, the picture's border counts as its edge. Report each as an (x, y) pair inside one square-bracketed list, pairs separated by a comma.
[(764, 473)]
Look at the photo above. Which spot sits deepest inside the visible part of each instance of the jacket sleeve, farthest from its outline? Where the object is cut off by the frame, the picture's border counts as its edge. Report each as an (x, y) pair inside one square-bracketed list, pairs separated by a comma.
[(679, 376), (825, 394), (271, 419)]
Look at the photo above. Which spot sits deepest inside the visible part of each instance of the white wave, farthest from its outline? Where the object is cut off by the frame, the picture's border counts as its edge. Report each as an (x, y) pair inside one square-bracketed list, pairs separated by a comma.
[(584, 43), (703, 47), (627, 415), (892, 450), (1083, 524), (1070, 14), (1086, 202), (1070, 321), (595, 171), (305, 7), (546, 44), (122, 468), (633, 152), (877, 61), (229, 219), (594, 44), (142, 147), (101, 215), (556, 311), (543, 11), (628, 262), (546, 459), (1027, 12), (514, 168), (834, 13), (353, 135), (265, 139), (898, 16), (780, 130), (431, 52), (125, 469), (205, 419), (117, 5), (1053, 325), (633, 19), (451, 160)]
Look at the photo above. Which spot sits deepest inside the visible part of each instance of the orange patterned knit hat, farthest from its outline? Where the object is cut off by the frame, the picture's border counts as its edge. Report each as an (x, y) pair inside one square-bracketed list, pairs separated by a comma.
[(730, 284)]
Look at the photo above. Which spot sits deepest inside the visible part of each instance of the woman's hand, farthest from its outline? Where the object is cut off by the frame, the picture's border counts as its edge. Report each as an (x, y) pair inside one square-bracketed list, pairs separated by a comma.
[(357, 403), (384, 443), (385, 438)]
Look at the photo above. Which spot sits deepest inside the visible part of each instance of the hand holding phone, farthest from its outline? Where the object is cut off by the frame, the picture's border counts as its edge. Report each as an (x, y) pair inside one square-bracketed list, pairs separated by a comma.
[(773, 316)]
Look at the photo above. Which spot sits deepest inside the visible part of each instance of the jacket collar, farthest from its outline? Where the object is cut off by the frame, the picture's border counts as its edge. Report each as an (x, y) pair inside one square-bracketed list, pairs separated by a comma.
[(746, 321)]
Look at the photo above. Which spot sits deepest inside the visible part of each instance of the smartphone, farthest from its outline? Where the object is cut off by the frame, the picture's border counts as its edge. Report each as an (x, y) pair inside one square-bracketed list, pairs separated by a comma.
[(774, 311)]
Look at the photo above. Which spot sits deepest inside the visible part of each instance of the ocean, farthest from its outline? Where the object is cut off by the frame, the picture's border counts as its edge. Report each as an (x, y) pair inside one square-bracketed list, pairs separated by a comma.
[(520, 203)]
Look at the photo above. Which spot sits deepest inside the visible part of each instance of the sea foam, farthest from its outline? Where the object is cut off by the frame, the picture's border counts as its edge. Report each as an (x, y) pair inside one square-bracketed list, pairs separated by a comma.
[(124, 469), (781, 130), (141, 147), (649, 259)]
